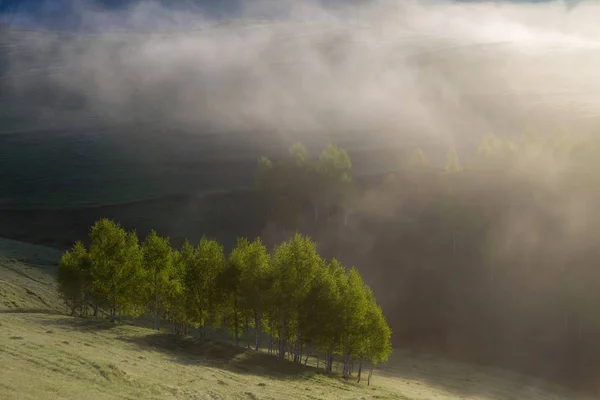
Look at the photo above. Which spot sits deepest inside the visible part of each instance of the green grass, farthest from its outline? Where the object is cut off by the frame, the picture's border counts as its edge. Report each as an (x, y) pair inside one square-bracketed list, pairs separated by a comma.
[(27, 277), (44, 355)]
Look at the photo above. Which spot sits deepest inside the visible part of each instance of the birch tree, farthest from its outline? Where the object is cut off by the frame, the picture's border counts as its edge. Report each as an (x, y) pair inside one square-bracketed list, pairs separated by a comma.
[(157, 262), (115, 266)]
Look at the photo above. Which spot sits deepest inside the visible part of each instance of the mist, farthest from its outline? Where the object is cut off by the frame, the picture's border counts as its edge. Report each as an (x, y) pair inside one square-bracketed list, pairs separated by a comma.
[(494, 264), (440, 71)]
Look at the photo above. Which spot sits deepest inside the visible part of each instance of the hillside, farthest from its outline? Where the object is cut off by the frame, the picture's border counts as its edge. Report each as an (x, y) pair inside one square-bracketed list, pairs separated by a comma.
[(27, 277), (75, 358)]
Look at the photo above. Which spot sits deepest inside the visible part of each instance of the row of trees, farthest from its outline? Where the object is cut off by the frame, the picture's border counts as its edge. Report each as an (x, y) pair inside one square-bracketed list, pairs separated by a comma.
[(297, 182), (304, 304)]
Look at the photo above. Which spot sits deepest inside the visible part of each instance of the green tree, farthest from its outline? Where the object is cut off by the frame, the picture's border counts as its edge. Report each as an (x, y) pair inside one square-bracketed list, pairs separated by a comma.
[(319, 311), (157, 262), (375, 336), (176, 297), (73, 277), (115, 267), (353, 310), (230, 280), (254, 283), (202, 274), (333, 182), (294, 263)]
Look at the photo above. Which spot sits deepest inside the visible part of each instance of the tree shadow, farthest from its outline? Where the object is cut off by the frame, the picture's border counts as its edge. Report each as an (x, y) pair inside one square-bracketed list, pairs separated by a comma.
[(79, 323), (223, 355), (29, 311)]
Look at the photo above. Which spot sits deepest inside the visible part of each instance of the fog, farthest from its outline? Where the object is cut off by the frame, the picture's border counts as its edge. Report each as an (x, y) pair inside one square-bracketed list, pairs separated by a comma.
[(460, 270), (439, 70)]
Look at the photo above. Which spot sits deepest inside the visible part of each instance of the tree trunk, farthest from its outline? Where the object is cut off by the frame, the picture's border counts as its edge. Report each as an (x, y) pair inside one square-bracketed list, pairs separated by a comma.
[(113, 310), (370, 375), (282, 336), (359, 371), (346, 370), (246, 329), (236, 321), (155, 322), (96, 310), (297, 344), (329, 360), (257, 329)]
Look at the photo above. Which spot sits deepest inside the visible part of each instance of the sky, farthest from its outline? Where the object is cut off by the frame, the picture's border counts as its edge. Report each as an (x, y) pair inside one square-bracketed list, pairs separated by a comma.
[(63, 15)]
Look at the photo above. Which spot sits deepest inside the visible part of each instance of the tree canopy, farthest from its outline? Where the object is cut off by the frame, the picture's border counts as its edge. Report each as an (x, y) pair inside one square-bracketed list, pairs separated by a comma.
[(293, 295)]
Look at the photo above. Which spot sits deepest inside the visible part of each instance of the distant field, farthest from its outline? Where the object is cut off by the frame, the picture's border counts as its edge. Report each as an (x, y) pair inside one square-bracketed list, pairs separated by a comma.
[(55, 356)]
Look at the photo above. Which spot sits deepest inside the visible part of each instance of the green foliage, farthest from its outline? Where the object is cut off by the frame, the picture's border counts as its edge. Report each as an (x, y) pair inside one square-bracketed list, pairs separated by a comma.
[(203, 271), (116, 267), (73, 276), (157, 263), (289, 185), (294, 295)]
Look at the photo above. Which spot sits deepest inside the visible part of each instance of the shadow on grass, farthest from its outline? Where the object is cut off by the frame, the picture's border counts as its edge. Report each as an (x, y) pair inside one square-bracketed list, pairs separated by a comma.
[(218, 354), (84, 324), (29, 311)]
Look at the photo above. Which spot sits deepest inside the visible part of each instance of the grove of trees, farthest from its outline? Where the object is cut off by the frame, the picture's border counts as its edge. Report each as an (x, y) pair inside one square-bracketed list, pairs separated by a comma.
[(292, 298)]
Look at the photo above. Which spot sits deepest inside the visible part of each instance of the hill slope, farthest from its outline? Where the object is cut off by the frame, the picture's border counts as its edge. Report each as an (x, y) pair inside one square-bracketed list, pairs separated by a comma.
[(78, 358), (27, 277)]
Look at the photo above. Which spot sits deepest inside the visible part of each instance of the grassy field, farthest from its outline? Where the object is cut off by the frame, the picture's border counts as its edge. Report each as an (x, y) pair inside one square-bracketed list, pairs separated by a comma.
[(27, 277), (45, 355)]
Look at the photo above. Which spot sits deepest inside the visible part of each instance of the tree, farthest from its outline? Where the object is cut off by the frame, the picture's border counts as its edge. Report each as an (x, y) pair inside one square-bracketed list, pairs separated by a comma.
[(202, 273), (115, 267), (294, 263), (230, 280), (319, 314), (157, 262), (334, 178), (375, 335), (418, 159), (452, 163), (353, 310), (254, 283), (72, 277), (176, 297)]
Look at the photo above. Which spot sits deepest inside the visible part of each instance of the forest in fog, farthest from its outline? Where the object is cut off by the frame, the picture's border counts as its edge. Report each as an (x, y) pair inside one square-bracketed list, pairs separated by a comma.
[(489, 256), (492, 258)]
